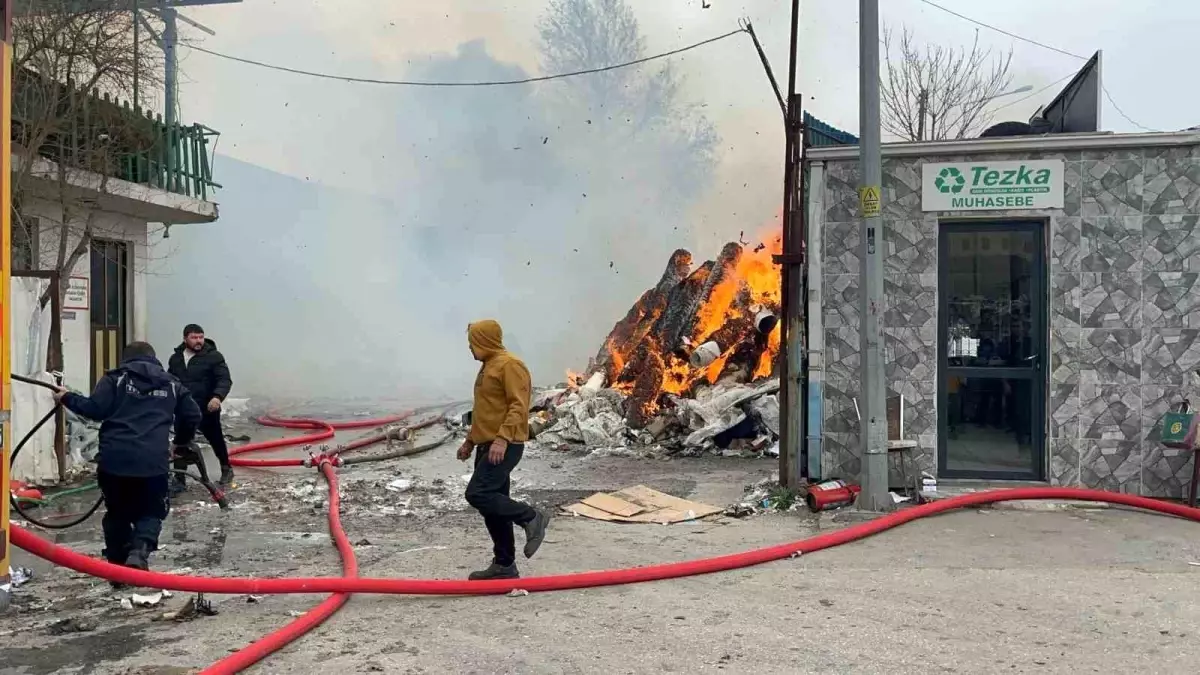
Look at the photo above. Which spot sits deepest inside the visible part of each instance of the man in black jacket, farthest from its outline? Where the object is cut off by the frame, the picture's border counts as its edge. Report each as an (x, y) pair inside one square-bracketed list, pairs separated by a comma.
[(202, 369), (135, 405)]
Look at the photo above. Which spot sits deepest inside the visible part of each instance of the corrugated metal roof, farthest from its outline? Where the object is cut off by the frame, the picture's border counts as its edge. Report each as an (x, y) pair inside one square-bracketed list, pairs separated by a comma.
[(821, 134)]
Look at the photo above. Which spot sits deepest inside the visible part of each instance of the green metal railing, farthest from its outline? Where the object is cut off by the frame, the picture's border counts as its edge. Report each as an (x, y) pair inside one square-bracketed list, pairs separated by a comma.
[(177, 161), (96, 132)]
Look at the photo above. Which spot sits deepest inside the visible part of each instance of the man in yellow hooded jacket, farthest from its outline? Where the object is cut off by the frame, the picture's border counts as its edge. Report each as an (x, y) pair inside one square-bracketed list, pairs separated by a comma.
[(499, 429)]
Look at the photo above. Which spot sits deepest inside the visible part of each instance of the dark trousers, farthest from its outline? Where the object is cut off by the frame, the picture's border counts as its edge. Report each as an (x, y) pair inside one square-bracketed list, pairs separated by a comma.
[(488, 493), (210, 428), (135, 509)]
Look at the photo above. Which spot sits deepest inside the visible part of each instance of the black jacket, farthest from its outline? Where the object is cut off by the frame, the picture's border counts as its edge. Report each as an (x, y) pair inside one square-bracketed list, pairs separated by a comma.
[(206, 375), (135, 404)]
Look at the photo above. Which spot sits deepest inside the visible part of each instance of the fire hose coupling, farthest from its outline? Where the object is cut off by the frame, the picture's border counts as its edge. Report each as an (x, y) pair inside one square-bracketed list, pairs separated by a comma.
[(323, 455), (397, 432)]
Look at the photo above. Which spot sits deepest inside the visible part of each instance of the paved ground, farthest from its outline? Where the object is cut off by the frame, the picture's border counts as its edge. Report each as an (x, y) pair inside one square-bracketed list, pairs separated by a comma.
[(980, 591)]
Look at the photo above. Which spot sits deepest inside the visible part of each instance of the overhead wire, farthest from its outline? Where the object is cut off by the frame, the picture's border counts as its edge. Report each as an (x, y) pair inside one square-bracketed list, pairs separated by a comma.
[(1043, 45), (484, 83)]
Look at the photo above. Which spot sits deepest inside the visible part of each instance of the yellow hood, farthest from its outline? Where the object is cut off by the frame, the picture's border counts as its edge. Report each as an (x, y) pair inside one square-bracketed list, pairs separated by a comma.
[(486, 339)]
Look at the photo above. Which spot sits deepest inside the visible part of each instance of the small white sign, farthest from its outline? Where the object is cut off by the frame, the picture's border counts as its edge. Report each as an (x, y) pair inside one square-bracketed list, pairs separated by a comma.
[(77, 296), (992, 186)]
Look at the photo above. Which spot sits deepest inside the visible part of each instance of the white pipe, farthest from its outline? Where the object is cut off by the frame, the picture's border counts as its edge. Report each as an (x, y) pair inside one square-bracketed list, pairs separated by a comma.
[(705, 354), (765, 321)]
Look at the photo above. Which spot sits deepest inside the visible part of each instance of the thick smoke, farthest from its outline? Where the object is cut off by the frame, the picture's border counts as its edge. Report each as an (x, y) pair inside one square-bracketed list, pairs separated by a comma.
[(547, 214)]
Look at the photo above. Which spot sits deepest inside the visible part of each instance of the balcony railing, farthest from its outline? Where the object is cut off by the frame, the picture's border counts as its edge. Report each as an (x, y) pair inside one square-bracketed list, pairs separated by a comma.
[(96, 132)]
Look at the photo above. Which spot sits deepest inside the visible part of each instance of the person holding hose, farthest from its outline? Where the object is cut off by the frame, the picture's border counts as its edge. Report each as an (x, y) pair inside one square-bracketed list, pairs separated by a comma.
[(202, 369), (135, 405), (499, 429)]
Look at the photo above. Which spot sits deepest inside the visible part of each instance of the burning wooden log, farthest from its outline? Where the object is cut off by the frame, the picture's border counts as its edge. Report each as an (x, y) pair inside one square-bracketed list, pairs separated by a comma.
[(648, 369), (705, 306), (723, 314), (628, 333)]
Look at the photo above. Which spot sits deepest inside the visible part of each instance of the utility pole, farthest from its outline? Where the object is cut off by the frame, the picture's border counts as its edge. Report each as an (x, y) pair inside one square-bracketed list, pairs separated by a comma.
[(873, 395), (922, 98), (791, 393), (170, 90)]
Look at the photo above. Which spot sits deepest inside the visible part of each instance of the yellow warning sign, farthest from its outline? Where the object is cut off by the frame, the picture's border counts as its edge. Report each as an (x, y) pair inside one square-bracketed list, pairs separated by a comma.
[(868, 201)]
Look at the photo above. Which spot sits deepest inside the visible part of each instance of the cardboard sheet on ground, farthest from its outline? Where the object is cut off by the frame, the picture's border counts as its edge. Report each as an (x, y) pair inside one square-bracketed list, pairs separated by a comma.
[(640, 504)]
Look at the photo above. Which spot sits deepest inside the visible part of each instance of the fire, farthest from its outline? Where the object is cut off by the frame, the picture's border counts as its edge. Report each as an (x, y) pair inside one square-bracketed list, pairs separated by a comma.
[(750, 282)]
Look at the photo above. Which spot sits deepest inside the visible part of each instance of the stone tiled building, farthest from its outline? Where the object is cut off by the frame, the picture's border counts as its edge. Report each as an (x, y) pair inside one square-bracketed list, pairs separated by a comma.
[(1039, 343)]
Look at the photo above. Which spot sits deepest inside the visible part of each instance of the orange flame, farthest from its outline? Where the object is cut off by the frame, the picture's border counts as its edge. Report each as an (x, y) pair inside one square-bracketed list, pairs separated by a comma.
[(756, 274)]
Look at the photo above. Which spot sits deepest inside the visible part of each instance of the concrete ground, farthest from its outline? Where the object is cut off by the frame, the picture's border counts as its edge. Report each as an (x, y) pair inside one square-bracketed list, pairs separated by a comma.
[(1012, 591)]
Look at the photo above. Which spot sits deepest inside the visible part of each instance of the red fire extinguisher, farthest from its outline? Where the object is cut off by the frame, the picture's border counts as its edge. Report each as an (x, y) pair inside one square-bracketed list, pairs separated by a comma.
[(831, 494)]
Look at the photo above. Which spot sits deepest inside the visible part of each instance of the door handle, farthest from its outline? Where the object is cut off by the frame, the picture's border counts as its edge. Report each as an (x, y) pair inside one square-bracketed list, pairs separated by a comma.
[(1032, 360)]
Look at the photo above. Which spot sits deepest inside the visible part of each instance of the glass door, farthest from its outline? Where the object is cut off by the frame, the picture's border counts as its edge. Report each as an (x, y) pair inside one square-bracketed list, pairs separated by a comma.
[(991, 354)]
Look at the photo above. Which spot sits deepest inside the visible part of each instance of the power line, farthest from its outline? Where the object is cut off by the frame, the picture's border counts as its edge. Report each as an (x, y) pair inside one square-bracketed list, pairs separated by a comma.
[(1043, 45), (1122, 112), (1001, 30), (1036, 93), (488, 83)]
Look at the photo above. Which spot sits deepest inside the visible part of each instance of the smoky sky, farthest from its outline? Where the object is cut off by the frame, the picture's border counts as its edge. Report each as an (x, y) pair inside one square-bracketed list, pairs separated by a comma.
[(548, 212)]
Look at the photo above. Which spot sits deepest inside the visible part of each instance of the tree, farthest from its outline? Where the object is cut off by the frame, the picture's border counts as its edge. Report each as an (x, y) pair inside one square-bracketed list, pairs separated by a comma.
[(71, 134), (939, 93), (636, 107)]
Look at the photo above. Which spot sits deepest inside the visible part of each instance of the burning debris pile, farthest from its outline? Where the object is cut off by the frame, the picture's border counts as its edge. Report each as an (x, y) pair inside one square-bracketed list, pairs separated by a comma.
[(689, 366)]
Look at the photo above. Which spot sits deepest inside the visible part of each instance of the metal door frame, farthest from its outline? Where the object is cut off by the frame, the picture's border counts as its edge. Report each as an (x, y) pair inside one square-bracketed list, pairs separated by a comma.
[(97, 310), (1040, 338)]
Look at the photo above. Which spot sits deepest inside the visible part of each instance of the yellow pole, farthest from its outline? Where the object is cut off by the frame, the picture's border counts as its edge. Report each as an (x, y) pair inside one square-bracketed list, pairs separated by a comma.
[(6, 59)]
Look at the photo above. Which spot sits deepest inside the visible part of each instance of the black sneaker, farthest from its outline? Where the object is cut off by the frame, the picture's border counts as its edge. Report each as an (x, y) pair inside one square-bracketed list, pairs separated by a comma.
[(178, 487), (139, 559), (115, 585), (535, 532), (226, 476), (495, 571)]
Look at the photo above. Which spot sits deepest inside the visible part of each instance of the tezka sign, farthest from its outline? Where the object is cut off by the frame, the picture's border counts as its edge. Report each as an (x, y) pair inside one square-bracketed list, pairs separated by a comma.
[(992, 186)]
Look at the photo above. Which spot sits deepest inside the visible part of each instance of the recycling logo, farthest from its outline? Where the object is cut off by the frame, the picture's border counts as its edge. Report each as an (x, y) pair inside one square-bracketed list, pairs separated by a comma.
[(949, 179)]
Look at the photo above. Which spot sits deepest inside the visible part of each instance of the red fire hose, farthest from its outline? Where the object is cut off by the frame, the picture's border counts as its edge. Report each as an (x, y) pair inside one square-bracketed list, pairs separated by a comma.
[(321, 431), (261, 649), (241, 585), (351, 583)]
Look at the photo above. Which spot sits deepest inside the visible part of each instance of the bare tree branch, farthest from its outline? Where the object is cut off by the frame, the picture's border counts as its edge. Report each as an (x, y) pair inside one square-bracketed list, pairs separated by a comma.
[(71, 71), (938, 93)]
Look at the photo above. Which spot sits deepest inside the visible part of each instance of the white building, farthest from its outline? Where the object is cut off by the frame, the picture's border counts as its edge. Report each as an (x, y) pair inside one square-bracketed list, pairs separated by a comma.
[(105, 308)]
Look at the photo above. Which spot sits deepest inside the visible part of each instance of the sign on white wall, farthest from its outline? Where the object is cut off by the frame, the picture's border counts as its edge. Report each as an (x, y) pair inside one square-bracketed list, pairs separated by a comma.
[(984, 185), (77, 296)]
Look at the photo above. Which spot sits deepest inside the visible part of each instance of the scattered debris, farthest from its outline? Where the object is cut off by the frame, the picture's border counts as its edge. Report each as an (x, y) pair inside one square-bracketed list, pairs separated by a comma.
[(235, 407), (147, 600), (296, 614), (363, 542), (518, 593), (19, 576), (765, 495), (731, 419), (640, 504), (71, 625), (928, 482), (253, 599), (400, 485), (195, 606)]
